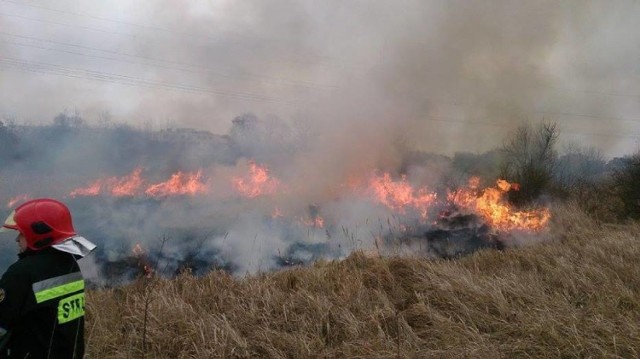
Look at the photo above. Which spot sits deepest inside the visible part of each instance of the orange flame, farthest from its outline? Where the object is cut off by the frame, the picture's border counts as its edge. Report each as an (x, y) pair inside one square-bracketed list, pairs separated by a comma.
[(474, 182), (137, 250), (143, 263), (316, 222), (257, 183), (503, 185), (126, 186), (399, 195), (179, 184), (91, 190), (490, 204), (276, 213), (117, 186), (133, 184)]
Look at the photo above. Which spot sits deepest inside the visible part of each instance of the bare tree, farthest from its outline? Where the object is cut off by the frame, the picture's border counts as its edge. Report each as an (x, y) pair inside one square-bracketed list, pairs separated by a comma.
[(530, 159)]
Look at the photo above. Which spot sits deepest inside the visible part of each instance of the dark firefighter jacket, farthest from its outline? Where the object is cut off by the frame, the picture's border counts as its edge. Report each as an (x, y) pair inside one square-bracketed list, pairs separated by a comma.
[(42, 306)]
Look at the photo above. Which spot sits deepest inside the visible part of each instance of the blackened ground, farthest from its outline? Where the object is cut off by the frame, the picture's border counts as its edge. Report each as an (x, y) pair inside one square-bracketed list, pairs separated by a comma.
[(454, 234), (117, 225)]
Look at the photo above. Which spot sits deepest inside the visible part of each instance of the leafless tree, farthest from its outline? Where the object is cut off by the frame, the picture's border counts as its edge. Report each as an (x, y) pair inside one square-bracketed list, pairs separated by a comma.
[(530, 159)]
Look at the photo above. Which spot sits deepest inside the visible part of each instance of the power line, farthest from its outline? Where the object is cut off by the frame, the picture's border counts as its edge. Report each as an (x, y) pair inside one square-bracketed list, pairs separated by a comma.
[(128, 23), (53, 69), (146, 83), (189, 35), (123, 79), (63, 24), (304, 84), (47, 68), (86, 15), (206, 70), (182, 34)]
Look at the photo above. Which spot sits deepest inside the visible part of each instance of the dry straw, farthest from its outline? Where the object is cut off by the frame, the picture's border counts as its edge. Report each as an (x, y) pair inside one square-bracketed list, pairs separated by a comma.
[(576, 294)]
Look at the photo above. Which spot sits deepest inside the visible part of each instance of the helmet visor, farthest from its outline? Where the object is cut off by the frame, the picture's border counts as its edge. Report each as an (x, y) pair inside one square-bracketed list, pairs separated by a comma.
[(9, 224)]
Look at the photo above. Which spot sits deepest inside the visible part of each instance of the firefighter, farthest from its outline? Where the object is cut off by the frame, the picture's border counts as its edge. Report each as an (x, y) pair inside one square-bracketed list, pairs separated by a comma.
[(42, 294)]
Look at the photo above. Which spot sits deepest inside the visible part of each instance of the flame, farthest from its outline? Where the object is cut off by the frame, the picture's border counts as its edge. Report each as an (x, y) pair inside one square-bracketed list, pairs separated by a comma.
[(138, 250), (490, 204), (20, 198), (116, 186), (126, 186), (91, 190), (398, 195), (316, 222), (143, 262), (133, 185), (474, 182), (257, 183), (179, 184), (276, 213), (395, 193), (503, 185)]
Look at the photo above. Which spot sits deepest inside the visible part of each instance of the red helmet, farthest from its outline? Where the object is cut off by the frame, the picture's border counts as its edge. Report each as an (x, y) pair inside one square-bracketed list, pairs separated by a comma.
[(42, 222)]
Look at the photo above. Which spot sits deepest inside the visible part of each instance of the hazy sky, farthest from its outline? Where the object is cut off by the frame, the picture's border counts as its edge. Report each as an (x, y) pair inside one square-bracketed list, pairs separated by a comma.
[(442, 75)]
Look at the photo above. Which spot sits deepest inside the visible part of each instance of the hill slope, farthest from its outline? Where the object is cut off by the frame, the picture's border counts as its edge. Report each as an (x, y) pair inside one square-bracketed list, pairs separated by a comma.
[(575, 295)]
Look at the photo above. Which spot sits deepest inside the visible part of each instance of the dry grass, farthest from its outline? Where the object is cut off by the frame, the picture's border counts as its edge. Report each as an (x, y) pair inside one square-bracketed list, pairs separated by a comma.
[(575, 295)]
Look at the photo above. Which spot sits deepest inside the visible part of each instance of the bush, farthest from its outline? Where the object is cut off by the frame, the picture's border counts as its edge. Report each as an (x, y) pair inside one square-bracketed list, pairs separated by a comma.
[(625, 180), (530, 160)]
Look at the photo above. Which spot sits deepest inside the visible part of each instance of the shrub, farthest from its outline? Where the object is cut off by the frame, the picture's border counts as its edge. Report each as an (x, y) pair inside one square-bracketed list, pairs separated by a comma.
[(530, 160), (625, 186)]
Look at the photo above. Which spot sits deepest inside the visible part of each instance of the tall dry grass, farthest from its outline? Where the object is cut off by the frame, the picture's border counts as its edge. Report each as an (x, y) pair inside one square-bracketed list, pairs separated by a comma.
[(576, 294)]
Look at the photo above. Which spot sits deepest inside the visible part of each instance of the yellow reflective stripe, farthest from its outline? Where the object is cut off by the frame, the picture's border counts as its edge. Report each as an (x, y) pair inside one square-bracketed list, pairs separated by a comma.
[(71, 308), (59, 291)]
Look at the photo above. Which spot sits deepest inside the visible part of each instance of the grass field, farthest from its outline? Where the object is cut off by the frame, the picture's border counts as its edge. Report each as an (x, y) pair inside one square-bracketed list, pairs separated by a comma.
[(576, 294)]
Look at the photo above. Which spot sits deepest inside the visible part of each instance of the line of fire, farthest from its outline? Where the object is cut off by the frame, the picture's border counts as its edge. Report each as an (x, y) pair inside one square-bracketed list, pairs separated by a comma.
[(399, 216)]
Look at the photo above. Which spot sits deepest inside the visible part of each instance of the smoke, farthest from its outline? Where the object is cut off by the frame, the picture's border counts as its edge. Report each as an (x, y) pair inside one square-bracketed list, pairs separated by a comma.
[(338, 89), (443, 75), (249, 201)]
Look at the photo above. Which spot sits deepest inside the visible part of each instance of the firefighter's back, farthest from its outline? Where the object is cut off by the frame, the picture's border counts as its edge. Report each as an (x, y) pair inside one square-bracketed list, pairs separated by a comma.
[(49, 320)]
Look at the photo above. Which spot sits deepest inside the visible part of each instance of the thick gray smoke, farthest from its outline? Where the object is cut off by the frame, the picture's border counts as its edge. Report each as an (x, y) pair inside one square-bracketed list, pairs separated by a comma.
[(442, 75), (255, 204), (338, 88)]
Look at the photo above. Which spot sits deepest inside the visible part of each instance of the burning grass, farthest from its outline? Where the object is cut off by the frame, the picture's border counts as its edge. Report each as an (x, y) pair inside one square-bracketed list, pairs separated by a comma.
[(575, 295)]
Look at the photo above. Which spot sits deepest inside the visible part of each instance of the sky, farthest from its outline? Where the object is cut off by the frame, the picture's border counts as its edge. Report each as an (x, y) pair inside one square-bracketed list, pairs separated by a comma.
[(437, 75)]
